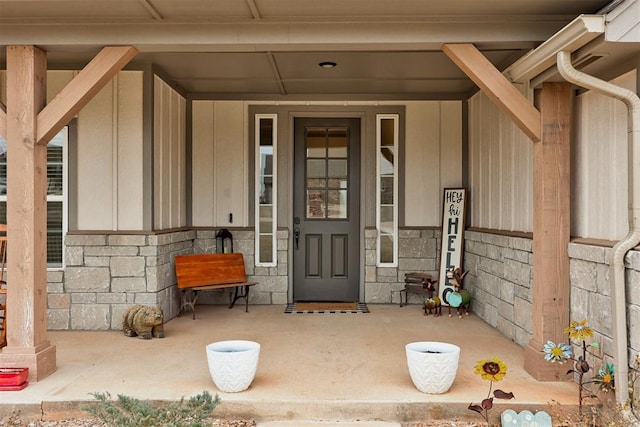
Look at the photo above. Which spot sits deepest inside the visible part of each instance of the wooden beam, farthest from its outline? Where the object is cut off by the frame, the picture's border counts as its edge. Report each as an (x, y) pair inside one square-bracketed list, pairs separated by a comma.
[(3, 121), (497, 87), (551, 230), (81, 90), (27, 343)]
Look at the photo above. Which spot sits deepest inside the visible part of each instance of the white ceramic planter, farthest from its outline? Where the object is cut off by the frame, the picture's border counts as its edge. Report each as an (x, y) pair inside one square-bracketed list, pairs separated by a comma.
[(233, 364), (432, 365)]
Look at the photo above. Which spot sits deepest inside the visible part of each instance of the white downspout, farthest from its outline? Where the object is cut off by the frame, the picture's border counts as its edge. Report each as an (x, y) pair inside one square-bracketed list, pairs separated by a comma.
[(616, 263)]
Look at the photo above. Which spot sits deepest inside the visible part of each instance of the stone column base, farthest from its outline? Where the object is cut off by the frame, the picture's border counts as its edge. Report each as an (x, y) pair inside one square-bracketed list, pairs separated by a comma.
[(40, 360), (541, 369)]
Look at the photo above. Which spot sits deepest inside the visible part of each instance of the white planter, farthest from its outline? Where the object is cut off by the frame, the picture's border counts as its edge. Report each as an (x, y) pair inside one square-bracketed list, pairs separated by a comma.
[(432, 365), (233, 364)]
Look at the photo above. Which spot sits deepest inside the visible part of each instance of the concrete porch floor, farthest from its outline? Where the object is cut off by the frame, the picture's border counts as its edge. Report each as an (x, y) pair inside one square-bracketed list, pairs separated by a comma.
[(312, 367)]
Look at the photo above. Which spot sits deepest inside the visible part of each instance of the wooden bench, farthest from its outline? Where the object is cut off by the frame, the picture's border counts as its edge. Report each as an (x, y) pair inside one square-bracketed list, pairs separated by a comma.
[(211, 272)]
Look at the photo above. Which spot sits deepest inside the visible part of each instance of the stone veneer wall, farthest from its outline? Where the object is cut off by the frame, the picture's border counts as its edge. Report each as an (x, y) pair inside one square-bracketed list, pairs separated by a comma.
[(591, 295), (417, 252), (107, 273), (499, 280)]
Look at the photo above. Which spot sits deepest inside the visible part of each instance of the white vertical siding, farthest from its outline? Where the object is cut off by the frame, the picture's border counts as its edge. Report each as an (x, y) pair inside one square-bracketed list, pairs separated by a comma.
[(129, 160), (202, 163), (433, 158), (220, 163), (109, 151), (169, 146), (599, 187), (500, 169)]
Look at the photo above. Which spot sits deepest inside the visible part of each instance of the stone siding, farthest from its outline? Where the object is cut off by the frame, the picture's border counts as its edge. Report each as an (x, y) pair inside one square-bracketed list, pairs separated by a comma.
[(591, 295), (499, 280), (107, 273), (417, 252)]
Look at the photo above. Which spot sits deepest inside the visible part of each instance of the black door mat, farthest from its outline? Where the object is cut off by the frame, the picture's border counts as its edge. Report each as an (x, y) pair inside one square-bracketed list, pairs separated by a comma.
[(326, 308)]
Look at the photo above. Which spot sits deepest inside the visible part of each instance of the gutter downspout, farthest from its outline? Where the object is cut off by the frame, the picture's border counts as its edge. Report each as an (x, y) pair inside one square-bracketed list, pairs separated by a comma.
[(616, 262)]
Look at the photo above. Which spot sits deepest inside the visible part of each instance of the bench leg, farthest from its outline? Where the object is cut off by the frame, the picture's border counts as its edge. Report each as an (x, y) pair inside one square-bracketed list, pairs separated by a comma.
[(237, 295), (189, 298)]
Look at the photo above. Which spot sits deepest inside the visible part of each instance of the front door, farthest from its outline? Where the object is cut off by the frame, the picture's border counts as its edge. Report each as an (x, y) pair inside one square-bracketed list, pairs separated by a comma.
[(326, 209)]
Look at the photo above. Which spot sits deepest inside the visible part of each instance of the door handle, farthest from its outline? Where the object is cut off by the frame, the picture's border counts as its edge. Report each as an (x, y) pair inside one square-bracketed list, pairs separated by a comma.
[(296, 237)]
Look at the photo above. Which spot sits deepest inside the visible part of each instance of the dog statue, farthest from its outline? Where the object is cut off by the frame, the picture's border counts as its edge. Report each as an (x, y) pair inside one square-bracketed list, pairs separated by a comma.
[(143, 321)]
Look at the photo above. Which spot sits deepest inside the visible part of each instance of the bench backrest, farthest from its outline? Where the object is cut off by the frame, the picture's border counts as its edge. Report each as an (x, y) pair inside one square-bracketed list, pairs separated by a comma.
[(209, 269)]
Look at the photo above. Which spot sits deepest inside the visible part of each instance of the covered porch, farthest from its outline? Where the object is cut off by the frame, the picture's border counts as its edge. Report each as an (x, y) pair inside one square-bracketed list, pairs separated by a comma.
[(331, 367)]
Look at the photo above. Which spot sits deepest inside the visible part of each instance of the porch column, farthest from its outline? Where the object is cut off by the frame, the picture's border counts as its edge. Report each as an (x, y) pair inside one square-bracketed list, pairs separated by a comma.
[(27, 343), (551, 230)]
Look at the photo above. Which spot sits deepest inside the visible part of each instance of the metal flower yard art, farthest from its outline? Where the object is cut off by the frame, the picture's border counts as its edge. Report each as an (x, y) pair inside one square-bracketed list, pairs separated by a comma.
[(562, 352), (490, 370)]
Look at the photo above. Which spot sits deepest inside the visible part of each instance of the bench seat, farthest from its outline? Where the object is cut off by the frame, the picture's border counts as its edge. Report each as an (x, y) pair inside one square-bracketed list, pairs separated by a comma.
[(211, 272)]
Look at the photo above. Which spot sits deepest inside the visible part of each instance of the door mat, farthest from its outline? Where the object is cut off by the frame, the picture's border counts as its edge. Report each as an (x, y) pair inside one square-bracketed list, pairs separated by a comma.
[(326, 308)]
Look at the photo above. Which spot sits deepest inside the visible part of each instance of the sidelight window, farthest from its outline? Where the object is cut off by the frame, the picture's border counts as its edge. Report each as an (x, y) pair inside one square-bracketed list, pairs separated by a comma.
[(387, 189), (266, 176)]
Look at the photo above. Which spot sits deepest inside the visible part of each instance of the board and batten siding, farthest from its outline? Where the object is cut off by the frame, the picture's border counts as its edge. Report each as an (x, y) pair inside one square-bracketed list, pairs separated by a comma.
[(169, 152), (109, 152), (500, 169), (433, 158), (599, 163), (220, 182)]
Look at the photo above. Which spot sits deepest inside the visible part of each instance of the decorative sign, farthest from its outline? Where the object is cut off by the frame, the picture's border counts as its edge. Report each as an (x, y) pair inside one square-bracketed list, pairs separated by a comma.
[(452, 247)]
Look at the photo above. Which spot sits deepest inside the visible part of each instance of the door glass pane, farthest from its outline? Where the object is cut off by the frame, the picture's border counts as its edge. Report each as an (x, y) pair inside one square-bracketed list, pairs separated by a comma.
[(386, 248), (315, 204), (316, 168), (337, 203), (266, 248), (387, 132), (337, 168), (316, 143), (266, 219), (316, 183), (387, 172), (266, 187), (338, 143), (386, 190), (386, 219), (327, 174)]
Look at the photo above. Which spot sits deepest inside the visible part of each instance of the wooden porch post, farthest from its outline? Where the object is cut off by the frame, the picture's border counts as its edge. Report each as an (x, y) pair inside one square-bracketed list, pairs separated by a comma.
[(29, 126), (551, 230), (27, 343)]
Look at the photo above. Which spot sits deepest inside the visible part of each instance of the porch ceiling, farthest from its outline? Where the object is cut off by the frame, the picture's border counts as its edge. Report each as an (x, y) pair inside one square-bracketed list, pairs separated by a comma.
[(270, 49)]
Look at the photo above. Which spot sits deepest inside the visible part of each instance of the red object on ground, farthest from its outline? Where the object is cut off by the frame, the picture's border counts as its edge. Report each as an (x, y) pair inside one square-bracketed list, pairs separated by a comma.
[(12, 379)]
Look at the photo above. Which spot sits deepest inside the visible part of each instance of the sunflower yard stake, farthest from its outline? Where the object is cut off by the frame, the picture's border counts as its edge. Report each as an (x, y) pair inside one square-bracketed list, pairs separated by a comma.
[(561, 353), (491, 370)]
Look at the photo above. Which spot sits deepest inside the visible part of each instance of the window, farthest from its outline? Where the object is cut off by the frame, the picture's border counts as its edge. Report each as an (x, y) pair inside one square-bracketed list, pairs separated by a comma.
[(56, 194), (387, 189), (266, 184)]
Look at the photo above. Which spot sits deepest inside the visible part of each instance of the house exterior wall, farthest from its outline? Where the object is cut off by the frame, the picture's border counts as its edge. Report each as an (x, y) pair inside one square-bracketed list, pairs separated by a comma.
[(108, 174), (500, 171), (498, 249), (220, 178), (169, 157), (599, 164)]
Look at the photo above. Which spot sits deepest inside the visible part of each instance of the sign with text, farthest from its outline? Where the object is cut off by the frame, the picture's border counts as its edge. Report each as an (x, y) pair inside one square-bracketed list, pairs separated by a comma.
[(452, 246)]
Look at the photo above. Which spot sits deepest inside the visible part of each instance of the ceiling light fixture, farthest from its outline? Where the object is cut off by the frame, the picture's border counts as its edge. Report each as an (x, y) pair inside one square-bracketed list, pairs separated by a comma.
[(327, 64)]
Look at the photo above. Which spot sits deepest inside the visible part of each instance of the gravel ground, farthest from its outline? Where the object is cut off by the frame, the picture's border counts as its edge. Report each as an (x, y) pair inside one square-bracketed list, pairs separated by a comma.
[(14, 421)]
